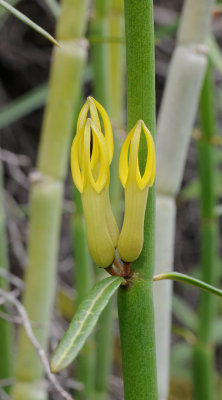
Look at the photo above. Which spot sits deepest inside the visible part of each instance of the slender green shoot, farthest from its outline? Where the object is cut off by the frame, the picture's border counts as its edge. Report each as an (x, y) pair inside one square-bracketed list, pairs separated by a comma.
[(28, 21), (177, 276)]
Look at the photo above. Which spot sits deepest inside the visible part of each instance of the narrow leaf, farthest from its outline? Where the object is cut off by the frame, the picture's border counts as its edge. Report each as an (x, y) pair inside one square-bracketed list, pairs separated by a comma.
[(54, 7), (215, 52), (83, 322), (28, 21), (192, 190), (181, 356), (216, 331), (23, 105), (177, 276), (184, 313)]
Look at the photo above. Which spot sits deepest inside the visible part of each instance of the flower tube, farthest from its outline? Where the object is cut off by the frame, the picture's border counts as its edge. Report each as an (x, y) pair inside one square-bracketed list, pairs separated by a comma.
[(136, 191), (91, 175)]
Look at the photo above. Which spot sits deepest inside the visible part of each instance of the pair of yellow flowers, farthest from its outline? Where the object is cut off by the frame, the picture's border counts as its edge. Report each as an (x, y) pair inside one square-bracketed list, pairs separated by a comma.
[(91, 156)]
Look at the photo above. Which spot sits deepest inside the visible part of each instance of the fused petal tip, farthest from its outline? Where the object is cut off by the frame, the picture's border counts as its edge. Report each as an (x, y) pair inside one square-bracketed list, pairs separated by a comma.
[(129, 158)]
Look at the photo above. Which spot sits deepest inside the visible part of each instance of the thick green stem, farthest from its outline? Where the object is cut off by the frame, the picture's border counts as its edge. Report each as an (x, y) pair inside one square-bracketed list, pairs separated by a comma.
[(5, 328), (204, 352), (47, 193), (135, 301)]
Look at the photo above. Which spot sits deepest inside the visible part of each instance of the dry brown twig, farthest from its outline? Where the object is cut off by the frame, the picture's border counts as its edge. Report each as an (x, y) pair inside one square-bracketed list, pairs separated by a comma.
[(9, 297)]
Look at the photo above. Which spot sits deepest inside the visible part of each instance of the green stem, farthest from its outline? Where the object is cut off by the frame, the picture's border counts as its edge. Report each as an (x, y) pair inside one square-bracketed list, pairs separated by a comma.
[(116, 89), (5, 328), (99, 52), (204, 352), (135, 302), (47, 193), (104, 88), (175, 122), (83, 283)]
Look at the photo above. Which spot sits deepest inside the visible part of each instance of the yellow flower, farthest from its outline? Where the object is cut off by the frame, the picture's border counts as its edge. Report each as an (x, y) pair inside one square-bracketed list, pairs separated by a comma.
[(136, 191), (91, 155)]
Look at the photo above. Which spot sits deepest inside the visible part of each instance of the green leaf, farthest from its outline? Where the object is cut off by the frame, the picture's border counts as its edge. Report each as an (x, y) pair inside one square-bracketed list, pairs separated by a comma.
[(177, 276), (181, 355), (54, 7), (214, 52), (27, 21), (166, 30), (83, 322), (23, 105), (184, 313), (216, 331), (192, 190)]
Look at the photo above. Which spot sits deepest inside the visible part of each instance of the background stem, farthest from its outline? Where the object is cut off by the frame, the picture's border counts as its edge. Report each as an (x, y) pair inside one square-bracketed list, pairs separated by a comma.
[(83, 283), (108, 72), (47, 193), (203, 356), (175, 122), (135, 302), (6, 344)]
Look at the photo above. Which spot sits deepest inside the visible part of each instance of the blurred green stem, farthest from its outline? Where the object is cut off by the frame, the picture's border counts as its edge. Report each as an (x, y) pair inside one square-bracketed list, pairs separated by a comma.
[(175, 122), (108, 75), (5, 328), (203, 356), (99, 28), (47, 194), (83, 282), (135, 301)]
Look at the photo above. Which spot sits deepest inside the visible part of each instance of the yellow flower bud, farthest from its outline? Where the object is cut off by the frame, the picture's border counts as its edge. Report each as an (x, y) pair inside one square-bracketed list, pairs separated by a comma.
[(98, 114), (95, 109), (136, 191), (90, 170)]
